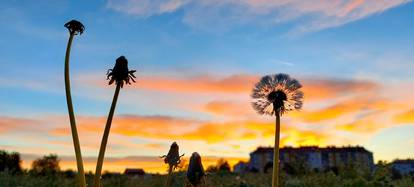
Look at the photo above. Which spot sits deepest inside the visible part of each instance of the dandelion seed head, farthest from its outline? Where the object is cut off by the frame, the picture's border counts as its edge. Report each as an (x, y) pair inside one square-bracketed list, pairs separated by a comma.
[(75, 27), (277, 93)]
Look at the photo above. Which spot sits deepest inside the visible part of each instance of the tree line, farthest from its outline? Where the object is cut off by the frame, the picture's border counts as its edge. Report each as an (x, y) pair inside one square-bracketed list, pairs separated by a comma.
[(11, 162)]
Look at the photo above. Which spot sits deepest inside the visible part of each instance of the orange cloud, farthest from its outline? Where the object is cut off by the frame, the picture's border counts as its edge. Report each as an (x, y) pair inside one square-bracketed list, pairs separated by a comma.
[(371, 123), (199, 84), (314, 89), (229, 108), (359, 103), (365, 125), (133, 125), (291, 135), (165, 128), (405, 117), (356, 104), (305, 138), (8, 124), (169, 128), (319, 89)]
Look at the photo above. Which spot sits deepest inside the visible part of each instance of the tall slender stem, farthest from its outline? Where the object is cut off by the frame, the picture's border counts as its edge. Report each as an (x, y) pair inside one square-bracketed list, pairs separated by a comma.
[(97, 177), (75, 137), (168, 183), (275, 178)]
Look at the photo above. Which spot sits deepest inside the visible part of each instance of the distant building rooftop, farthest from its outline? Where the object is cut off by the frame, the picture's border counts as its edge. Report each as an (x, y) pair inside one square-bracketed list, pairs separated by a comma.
[(321, 158), (313, 148), (403, 166), (405, 161)]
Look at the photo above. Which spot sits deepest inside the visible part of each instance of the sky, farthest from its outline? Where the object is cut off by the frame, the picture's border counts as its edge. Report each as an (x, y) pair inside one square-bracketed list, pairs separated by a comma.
[(197, 62)]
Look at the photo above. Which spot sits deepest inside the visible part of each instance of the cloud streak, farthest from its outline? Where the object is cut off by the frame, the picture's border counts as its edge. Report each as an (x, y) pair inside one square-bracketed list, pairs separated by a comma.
[(307, 16), (314, 88)]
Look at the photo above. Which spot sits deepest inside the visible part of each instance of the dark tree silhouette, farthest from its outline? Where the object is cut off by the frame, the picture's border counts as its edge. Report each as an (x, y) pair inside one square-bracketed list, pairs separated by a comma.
[(10, 162), (223, 165), (48, 165)]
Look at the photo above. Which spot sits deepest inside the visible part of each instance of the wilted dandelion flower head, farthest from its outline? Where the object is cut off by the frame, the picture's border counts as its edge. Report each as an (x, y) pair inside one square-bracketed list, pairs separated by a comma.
[(195, 172), (277, 93), (173, 157), (120, 73), (75, 27)]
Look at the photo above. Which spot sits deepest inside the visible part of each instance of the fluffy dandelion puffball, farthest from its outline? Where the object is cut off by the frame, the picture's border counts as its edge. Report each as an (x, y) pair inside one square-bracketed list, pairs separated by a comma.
[(75, 27), (277, 93), (120, 73)]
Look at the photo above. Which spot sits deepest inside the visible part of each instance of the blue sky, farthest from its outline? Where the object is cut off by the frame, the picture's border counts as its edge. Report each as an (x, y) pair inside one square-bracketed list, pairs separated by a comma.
[(344, 51)]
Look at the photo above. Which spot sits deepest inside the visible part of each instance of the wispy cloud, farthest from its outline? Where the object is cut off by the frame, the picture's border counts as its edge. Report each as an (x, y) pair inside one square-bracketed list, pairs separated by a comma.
[(308, 16), (315, 88), (146, 8), (8, 124)]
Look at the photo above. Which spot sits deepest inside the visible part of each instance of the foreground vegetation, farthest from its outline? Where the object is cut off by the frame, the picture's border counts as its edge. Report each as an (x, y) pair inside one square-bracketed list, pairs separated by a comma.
[(46, 172), (219, 179)]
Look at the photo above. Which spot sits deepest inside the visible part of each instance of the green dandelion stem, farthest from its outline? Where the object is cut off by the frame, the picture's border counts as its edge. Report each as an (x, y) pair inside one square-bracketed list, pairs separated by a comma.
[(75, 137), (275, 178), (168, 182), (97, 177)]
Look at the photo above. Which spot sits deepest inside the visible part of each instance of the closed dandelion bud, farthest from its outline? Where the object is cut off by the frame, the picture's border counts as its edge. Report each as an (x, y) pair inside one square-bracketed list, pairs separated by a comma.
[(120, 73), (173, 157), (195, 172)]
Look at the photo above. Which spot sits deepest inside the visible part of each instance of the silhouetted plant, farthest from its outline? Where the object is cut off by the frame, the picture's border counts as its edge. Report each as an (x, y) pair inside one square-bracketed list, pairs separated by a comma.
[(195, 172), (119, 74), (173, 159), (275, 95), (75, 28)]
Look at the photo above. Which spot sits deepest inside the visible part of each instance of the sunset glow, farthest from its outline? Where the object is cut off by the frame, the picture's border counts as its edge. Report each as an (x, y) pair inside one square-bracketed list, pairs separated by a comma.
[(195, 72)]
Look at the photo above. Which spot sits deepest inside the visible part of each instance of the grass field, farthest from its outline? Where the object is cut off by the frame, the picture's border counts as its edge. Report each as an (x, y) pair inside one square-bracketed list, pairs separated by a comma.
[(220, 179)]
